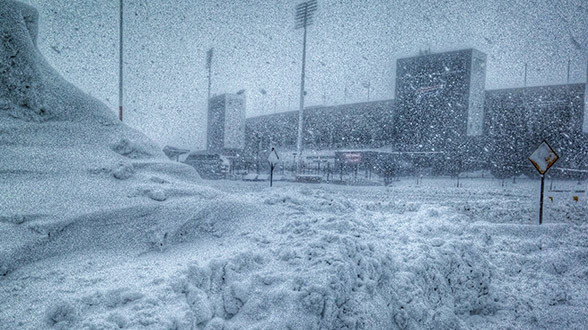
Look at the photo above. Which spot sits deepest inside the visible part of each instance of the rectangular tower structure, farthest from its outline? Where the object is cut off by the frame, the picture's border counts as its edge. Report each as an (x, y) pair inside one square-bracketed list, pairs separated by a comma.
[(226, 124), (440, 99)]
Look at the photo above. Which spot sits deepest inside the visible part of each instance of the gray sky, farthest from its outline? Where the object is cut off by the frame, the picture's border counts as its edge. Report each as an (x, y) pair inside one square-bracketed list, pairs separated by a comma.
[(256, 47)]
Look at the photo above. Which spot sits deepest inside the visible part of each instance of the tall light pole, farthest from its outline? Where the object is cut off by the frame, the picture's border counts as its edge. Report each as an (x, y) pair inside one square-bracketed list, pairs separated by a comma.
[(304, 13), (263, 93), (209, 55), (368, 86), (569, 63), (525, 83), (120, 63)]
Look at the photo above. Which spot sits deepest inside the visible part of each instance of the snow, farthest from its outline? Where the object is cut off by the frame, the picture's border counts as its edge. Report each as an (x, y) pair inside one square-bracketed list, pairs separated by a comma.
[(324, 256), (63, 153), (100, 231)]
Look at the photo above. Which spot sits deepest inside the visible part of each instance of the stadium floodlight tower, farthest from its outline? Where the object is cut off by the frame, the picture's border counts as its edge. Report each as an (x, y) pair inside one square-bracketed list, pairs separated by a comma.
[(120, 62), (304, 14), (209, 55)]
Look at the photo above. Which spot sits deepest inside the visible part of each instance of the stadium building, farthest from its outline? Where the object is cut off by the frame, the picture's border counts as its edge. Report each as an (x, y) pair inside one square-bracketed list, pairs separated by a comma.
[(226, 124), (440, 99), (518, 119), (225, 138), (327, 129), (442, 120)]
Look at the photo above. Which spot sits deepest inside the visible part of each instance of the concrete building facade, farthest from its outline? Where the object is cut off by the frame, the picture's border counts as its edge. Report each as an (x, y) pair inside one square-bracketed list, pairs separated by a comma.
[(226, 124), (442, 119), (518, 119), (440, 99)]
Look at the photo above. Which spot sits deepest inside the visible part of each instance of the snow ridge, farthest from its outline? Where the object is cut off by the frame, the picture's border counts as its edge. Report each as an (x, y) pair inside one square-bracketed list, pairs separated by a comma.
[(67, 163)]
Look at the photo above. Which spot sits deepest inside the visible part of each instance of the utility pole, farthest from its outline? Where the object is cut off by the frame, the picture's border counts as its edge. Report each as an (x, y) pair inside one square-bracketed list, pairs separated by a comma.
[(304, 13), (120, 63)]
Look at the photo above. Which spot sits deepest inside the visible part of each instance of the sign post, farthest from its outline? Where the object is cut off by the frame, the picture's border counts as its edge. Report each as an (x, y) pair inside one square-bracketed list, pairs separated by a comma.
[(273, 159), (543, 158)]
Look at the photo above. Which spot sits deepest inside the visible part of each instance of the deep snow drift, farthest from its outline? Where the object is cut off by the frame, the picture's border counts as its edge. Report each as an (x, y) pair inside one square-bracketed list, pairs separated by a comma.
[(330, 257), (99, 231), (65, 158)]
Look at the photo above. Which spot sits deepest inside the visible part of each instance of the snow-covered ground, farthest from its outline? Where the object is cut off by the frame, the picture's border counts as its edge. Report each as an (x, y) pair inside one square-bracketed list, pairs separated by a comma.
[(98, 230), (322, 256)]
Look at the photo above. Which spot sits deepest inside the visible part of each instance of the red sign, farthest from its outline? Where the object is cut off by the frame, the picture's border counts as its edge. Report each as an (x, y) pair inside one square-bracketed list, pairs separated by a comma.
[(352, 158)]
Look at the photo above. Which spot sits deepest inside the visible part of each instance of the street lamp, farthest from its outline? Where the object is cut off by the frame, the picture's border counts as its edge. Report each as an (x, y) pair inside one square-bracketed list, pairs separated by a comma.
[(304, 14)]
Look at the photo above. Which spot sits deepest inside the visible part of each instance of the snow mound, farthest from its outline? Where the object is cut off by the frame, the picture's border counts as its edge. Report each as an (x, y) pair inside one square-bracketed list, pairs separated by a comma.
[(133, 150), (302, 199), (323, 272), (341, 283), (61, 315), (31, 89), (66, 158), (300, 264)]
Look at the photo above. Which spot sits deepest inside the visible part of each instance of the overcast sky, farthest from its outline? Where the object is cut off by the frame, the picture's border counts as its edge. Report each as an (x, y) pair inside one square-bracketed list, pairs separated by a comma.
[(256, 47)]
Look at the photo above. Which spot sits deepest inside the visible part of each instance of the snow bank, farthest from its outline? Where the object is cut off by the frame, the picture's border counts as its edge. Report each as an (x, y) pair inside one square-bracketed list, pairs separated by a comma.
[(75, 180), (66, 159), (320, 258), (322, 269), (31, 89), (342, 280)]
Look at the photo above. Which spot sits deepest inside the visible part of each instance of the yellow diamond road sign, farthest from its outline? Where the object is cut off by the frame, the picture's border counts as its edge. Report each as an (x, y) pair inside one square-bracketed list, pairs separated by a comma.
[(273, 157), (543, 157)]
